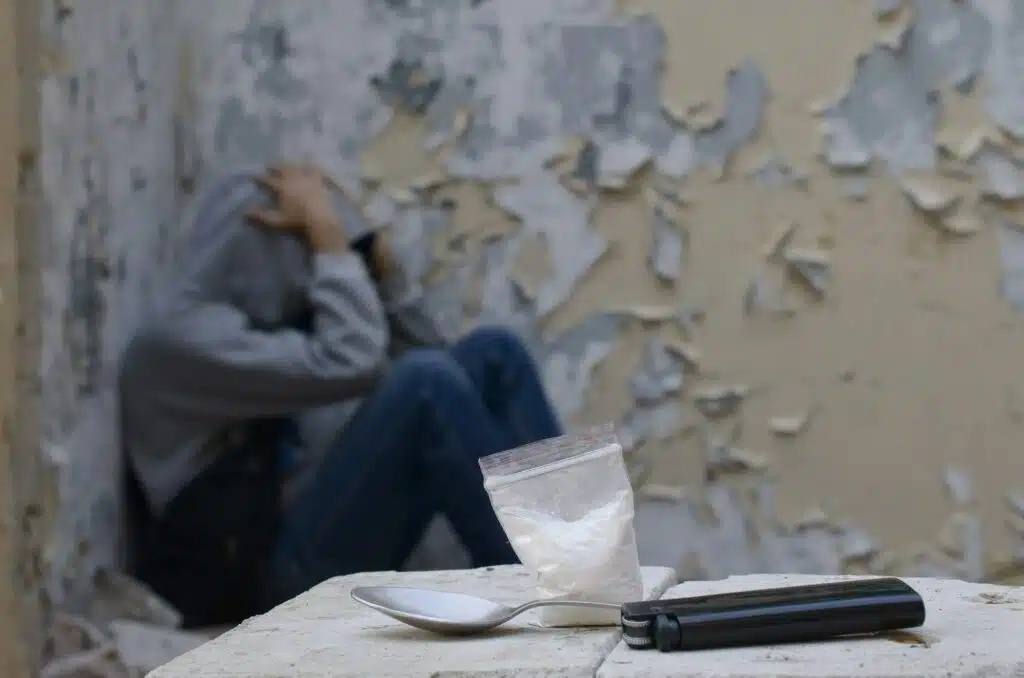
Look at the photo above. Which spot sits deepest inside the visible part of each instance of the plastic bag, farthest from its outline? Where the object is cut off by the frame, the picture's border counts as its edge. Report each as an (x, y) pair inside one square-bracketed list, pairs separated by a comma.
[(566, 505)]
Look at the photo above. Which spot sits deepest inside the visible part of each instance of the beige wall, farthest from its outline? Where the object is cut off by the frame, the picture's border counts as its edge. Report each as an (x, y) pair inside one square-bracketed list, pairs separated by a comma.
[(20, 509), (915, 316), (10, 654)]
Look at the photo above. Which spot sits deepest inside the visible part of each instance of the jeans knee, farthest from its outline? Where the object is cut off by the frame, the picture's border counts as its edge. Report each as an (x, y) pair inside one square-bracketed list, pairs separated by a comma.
[(498, 342), (430, 368)]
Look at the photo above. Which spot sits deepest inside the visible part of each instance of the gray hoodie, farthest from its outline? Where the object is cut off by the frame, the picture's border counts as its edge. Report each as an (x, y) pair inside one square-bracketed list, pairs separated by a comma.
[(220, 348)]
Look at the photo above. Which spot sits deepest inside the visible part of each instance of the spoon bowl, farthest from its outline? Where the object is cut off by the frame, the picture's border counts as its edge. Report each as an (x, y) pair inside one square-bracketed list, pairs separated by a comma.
[(450, 613)]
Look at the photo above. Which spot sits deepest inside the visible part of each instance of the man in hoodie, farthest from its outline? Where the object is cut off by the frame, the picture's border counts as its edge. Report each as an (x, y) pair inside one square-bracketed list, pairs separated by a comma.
[(290, 414)]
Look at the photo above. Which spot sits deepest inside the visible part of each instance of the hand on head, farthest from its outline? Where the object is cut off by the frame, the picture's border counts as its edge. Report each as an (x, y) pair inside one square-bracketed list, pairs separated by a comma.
[(303, 206)]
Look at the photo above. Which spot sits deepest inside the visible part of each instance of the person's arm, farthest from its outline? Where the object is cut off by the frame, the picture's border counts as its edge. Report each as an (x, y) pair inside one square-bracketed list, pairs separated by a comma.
[(412, 323), (206, 359)]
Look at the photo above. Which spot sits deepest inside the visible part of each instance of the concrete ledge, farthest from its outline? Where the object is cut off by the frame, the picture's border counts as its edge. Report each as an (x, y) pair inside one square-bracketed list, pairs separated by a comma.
[(970, 630), (973, 630), (325, 634)]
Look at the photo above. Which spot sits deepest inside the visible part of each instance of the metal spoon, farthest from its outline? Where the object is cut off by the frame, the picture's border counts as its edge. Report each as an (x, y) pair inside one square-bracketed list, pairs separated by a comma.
[(451, 613)]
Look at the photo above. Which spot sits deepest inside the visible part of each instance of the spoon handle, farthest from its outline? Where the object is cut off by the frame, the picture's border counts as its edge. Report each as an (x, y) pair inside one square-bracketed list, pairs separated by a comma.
[(567, 603)]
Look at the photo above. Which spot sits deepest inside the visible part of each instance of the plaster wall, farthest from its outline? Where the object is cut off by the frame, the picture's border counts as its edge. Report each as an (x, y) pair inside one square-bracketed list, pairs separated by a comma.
[(778, 242)]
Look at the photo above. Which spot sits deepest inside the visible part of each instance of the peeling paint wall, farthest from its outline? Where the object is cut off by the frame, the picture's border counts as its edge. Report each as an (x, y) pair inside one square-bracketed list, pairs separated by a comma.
[(110, 188), (778, 242)]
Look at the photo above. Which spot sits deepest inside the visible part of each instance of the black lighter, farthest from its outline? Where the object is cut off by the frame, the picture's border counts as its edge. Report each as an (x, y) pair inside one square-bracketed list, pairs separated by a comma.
[(771, 616)]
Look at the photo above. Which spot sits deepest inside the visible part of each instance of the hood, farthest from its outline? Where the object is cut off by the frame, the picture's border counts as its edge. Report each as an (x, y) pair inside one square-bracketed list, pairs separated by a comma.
[(263, 273)]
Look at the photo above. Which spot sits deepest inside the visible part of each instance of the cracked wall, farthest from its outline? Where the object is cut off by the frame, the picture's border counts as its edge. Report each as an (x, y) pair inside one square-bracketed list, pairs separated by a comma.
[(778, 242)]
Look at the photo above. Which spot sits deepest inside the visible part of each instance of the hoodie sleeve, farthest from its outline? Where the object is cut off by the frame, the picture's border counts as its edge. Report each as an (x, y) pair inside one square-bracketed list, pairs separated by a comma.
[(204, 358)]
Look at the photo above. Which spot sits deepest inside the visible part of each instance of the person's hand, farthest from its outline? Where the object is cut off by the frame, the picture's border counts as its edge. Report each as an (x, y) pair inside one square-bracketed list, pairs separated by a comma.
[(383, 257), (303, 206)]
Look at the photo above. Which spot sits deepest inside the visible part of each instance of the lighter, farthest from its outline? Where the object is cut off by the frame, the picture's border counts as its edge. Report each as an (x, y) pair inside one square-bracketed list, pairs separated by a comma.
[(770, 616)]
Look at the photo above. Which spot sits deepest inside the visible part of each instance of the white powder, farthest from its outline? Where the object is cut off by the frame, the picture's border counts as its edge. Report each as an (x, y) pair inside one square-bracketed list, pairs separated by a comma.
[(567, 508)]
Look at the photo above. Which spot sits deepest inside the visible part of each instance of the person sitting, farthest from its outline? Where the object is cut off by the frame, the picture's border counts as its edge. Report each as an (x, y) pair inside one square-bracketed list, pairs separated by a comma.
[(290, 413)]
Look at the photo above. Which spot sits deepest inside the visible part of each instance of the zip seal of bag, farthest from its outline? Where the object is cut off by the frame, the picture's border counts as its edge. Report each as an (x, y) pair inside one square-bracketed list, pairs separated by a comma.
[(566, 504)]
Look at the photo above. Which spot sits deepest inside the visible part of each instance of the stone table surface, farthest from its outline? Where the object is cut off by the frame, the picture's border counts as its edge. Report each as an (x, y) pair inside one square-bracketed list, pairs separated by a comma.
[(325, 634), (972, 630)]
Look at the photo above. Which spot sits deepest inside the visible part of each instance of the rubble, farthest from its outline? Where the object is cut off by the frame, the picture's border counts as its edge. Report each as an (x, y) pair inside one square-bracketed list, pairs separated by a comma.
[(126, 632)]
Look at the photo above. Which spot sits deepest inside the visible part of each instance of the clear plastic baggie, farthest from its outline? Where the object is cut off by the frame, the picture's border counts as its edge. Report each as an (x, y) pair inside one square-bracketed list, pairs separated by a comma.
[(566, 505)]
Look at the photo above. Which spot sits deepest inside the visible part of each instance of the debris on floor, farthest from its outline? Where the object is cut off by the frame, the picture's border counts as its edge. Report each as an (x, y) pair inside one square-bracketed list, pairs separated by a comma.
[(127, 632)]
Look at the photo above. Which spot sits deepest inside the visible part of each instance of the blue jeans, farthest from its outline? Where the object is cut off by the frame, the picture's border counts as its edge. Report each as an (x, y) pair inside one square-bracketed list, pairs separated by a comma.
[(410, 452)]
